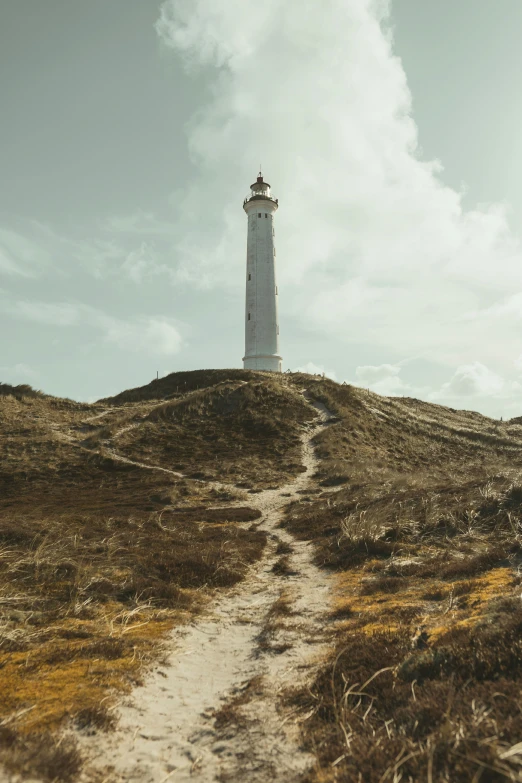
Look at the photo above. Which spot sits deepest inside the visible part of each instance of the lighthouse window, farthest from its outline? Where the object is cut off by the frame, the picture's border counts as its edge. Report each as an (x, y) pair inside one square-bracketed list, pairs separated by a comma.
[(259, 214), (250, 277), (249, 316), (266, 215), (276, 290)]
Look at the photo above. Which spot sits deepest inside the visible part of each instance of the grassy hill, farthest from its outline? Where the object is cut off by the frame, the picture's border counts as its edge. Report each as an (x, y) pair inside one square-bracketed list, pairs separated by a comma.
[(423, 528), (123, 518), (100, 557)]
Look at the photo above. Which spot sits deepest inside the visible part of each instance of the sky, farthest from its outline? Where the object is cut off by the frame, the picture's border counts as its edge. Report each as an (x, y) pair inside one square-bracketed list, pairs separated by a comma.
[(389, 131)]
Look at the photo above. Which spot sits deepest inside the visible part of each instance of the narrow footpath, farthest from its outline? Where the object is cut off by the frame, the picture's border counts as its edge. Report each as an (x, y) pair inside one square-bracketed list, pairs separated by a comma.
[(213, 712)]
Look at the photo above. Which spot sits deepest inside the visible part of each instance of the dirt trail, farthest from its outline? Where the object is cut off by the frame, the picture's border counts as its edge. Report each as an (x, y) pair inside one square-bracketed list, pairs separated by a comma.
[(242, 650), (118, 457)]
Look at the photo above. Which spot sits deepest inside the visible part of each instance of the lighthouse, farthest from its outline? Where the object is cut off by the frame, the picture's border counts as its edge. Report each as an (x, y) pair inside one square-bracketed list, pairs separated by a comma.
[(261, 317)]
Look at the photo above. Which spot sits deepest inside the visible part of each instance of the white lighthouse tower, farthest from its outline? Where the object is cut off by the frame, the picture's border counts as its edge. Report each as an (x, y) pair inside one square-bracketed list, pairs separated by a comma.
[(261, 318)]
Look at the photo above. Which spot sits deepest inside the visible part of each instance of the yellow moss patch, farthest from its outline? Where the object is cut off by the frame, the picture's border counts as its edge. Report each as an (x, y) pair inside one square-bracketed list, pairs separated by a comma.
[(493, 583), (490, 585), (57, 692), (386, 612), (371, 628), (347, 582), (58, 677)]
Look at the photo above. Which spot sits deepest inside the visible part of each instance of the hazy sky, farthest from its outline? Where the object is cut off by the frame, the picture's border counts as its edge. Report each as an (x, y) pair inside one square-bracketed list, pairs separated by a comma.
[(130, 131)]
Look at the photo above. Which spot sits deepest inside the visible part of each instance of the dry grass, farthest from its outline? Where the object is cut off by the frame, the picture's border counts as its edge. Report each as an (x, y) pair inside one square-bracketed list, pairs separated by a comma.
[(400, 440), (20, 392), (178, 384), (283, 567), (284, 548), (426, 539), (247, 434), (418, 510), (99, 558), (87, 601), (231, 714), (41, 755), (274, 623)]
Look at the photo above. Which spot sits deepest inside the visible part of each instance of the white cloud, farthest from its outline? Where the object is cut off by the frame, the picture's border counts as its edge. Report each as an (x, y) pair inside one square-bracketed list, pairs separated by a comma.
[(40, 249), (518, 363), (153, 334), (17, 374), (384, 379), (149, 257), (8, 265), (20, 256), (141, 263), (55, 314), (468, 382), (156, 335), (138, 223), (114, 253), (369, 373), (316, 369), (372, 247), (471, 380)]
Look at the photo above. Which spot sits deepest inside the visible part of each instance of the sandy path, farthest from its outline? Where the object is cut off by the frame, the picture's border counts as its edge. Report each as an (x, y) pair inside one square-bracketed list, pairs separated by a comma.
[(168, 732)]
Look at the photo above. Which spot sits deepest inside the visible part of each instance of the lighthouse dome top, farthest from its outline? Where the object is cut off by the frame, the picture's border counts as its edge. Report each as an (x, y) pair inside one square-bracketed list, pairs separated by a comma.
[(260, 183), (260, 190)]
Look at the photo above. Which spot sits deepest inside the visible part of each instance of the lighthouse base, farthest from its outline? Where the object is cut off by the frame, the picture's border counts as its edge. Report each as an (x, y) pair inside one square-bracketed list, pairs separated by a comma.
[(271, 362)]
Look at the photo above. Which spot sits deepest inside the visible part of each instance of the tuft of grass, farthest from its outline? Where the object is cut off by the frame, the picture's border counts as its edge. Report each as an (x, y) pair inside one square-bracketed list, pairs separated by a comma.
[(282, 607), (284, 548), (41, 756), (334, 480), (383, 584), (230, 713), (282, 566), (279, 612), (20, 392), (95, 717)]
